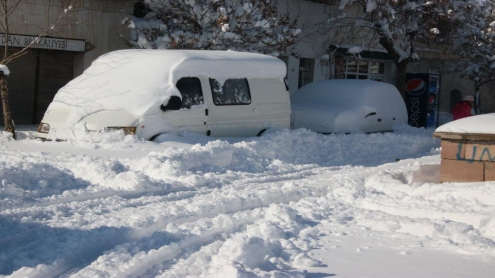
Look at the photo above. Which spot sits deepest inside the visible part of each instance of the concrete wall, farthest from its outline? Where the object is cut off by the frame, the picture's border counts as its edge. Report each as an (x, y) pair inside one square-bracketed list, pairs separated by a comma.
[(466, 160), (309, 14), (100, 20)]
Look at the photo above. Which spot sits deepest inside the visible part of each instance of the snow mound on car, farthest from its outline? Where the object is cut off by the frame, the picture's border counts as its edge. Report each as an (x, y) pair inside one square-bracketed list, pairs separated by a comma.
[(348, 106)]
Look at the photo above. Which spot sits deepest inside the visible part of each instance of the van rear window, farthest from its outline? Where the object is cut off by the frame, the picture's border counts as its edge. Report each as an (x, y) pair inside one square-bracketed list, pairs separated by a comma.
[(233, 92), (190, 89)]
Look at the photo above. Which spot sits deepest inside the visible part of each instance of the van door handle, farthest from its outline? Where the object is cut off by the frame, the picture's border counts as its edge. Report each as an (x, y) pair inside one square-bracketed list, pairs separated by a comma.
[(206, 112)]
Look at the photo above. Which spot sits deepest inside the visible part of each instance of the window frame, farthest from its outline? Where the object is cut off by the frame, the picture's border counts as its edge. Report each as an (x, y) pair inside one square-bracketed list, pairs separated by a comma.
[(306, 71), (359, 74)]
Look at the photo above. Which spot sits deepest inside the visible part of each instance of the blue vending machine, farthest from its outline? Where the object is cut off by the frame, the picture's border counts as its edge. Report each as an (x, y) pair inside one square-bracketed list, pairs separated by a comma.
[(422, 99)]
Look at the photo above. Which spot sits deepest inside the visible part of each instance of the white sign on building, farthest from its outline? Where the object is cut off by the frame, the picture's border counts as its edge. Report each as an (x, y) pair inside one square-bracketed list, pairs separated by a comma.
[(43, 43)]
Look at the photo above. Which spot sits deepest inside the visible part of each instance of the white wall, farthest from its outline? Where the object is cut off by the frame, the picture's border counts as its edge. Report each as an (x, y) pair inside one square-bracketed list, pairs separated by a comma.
[(309, 15)]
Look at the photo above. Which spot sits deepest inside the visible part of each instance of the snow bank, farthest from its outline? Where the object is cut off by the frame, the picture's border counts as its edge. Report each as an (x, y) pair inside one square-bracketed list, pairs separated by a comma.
[(260, 207)]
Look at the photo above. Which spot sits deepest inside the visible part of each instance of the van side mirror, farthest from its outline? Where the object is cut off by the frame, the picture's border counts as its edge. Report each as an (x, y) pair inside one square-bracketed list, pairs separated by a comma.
[(286, 84), (174, 103)]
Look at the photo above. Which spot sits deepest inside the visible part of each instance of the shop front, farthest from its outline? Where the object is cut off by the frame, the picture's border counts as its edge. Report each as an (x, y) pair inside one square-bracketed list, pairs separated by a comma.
[(36, 76)]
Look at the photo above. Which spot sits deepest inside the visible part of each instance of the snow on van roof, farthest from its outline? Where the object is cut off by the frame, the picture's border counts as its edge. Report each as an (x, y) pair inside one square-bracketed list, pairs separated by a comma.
[(479, 124), (140, 80)]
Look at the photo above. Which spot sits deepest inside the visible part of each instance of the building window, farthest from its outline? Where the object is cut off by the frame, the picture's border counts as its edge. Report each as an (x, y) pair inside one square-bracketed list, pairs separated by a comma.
[(364, 70), (233, 92), (306, 70)]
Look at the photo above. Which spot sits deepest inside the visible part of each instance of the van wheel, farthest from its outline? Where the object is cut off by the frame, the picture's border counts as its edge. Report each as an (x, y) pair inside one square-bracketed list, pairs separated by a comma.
[(154, 137), (165, 137), (261, 132)]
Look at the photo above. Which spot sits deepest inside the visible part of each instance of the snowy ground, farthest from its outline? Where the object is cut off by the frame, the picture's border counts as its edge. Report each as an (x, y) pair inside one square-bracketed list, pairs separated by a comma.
[(291, 203)]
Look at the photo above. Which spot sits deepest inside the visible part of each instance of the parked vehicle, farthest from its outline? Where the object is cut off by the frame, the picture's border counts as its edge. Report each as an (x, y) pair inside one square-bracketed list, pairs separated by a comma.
[(150, 92), (347, 106)]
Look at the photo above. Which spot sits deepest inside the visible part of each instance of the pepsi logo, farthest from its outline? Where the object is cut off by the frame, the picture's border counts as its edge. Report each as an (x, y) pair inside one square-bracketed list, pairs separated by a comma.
[(431, 100), (416, 87)]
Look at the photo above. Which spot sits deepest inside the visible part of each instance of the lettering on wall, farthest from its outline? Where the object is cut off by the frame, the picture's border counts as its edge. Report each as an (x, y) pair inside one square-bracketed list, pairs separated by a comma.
[(478, 153), (43, 43)]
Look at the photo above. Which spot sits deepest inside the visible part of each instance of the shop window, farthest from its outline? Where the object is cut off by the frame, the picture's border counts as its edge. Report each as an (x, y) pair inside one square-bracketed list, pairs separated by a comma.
[(190, 89), (233, 92), (362, 67), (306, 71), (377, 68), (364, 70)]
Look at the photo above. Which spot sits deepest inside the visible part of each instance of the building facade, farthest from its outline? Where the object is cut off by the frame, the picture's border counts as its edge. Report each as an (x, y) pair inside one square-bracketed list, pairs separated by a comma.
[(36, 76), (324, 56)]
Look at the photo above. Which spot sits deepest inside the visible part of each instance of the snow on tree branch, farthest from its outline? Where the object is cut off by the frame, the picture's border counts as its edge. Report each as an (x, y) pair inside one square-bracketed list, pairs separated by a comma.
[(242, 25), (400, 26), (4, 70), (474, 42)]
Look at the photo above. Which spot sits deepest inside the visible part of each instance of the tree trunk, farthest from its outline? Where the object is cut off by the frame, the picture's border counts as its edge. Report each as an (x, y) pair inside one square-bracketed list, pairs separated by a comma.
[(401, 65), (401, 78), (7, 116)]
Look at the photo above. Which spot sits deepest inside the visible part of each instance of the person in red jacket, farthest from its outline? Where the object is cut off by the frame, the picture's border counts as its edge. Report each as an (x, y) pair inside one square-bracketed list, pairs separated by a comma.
[(463, 108)]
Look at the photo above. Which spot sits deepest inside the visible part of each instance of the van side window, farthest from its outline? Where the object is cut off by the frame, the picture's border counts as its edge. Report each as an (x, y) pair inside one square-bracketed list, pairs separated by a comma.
[(190, 89), (233, 92)]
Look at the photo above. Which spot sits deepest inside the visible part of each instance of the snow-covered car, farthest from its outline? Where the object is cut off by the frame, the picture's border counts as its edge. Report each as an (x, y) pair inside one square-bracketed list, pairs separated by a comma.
[(151, 92), (347, 106)]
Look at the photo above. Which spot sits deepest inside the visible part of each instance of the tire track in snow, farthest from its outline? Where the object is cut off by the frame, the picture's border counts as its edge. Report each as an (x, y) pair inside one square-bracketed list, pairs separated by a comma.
[(388, 203), (157, 206), (248, 203), (136, 260)]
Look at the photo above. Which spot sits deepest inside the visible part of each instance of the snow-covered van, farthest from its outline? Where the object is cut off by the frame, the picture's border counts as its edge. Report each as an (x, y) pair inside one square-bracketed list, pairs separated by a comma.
[(151, 92)]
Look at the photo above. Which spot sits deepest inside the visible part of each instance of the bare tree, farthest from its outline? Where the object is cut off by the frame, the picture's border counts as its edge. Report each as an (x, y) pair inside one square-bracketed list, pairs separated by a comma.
[(11, 8)]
